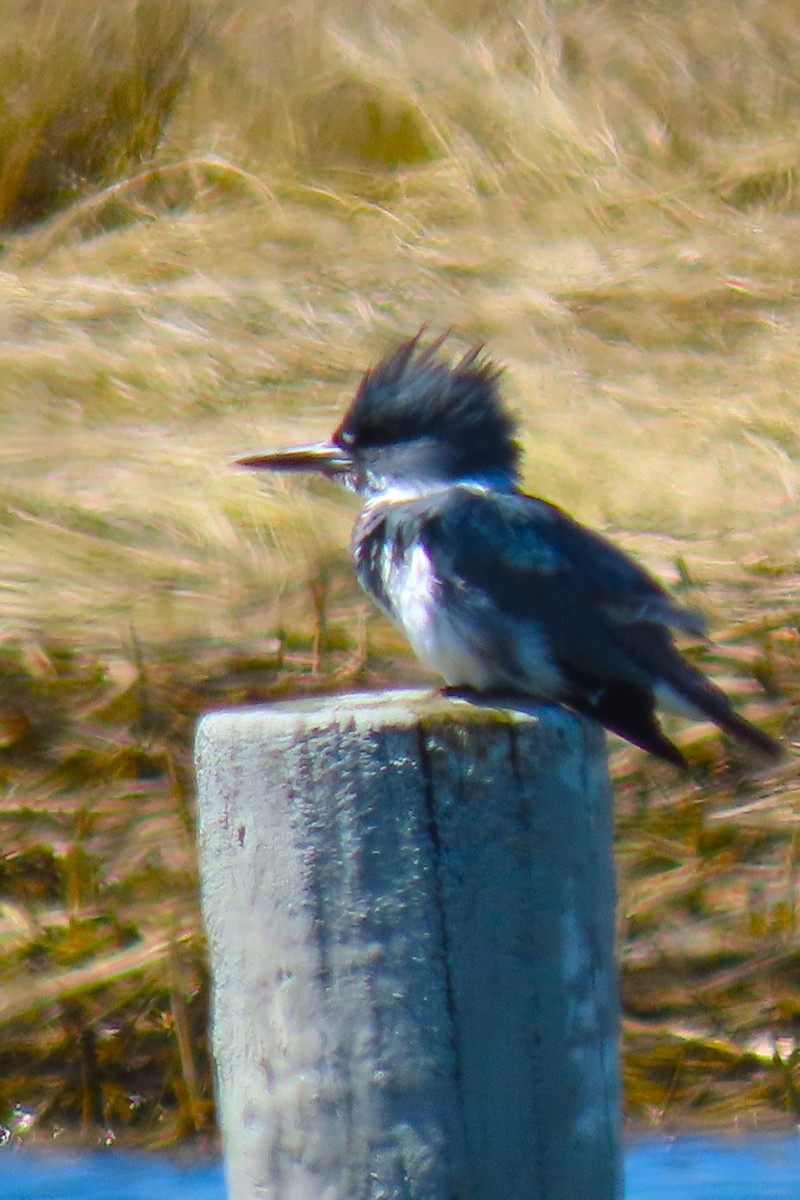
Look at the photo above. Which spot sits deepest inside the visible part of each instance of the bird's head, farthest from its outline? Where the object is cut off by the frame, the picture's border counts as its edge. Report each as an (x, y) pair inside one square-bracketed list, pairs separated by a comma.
[(415, 422)]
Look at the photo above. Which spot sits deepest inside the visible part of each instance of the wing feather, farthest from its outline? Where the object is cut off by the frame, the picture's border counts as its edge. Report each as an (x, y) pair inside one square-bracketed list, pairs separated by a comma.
[(522, 560)]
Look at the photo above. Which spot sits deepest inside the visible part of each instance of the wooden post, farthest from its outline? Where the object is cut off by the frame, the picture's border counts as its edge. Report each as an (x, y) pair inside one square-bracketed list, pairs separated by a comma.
[(410, 910)]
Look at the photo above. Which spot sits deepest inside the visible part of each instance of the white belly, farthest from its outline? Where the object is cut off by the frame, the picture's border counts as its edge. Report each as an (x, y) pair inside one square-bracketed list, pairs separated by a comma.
[(435, 639), (440, 640)]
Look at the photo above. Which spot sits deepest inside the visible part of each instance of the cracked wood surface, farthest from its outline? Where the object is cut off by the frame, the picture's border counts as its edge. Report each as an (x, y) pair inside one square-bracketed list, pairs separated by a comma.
[(410, 906)]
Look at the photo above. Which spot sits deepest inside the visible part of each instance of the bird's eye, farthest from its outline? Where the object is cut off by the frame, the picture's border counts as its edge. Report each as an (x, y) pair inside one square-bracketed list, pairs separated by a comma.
[(346, 438)]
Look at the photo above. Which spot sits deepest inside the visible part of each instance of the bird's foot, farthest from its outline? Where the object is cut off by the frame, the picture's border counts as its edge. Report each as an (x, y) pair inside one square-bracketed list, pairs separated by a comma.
[(460, 692)]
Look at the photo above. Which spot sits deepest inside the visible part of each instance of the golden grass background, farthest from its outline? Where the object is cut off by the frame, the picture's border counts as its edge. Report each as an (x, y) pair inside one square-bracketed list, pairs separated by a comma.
[(214, 216)]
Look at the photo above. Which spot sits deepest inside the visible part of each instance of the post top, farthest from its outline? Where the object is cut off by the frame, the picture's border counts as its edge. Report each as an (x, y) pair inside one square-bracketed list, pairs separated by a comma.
[(400, 707)]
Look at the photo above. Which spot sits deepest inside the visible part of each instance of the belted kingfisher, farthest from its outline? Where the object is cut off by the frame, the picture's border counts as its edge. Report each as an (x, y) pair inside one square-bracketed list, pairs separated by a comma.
[(503, 594)]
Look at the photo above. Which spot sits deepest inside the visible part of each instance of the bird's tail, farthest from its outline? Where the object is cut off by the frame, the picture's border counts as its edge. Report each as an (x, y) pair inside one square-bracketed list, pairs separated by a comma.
[(629, 711), (711, 702)]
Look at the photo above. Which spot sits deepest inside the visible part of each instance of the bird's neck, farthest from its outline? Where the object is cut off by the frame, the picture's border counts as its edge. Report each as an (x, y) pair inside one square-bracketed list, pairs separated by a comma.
[(398, 490)]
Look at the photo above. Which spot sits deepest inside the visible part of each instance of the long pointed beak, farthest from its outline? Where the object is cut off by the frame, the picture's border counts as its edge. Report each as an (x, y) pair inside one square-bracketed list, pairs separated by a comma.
[(325, 457)]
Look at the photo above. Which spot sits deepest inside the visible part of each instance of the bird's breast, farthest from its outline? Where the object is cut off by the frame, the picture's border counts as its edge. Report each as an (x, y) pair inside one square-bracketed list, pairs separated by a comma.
[(455, 628), (433, 628), (401, 577)]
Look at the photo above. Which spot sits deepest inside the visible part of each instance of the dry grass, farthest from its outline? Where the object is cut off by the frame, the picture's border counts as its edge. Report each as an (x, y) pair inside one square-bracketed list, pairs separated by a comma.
[(216, 216)]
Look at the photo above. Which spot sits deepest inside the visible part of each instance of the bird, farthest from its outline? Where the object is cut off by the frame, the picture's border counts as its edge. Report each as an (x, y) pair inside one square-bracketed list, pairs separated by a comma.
[(503, 594)]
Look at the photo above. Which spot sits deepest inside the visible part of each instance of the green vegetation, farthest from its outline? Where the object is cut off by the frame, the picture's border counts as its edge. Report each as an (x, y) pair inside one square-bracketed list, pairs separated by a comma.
[(215, 216)]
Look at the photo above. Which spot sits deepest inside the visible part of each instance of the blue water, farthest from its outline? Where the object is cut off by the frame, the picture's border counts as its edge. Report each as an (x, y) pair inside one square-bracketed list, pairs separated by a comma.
[(685, 1168), (701, 1168), (104, 1175)]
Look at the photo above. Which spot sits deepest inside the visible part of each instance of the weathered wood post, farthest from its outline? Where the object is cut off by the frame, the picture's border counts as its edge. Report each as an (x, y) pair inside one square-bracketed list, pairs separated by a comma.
[(410, 907)]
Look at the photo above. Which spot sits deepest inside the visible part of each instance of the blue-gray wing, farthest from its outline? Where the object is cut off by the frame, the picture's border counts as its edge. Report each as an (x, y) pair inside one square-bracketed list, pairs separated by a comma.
[(506, 560)]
